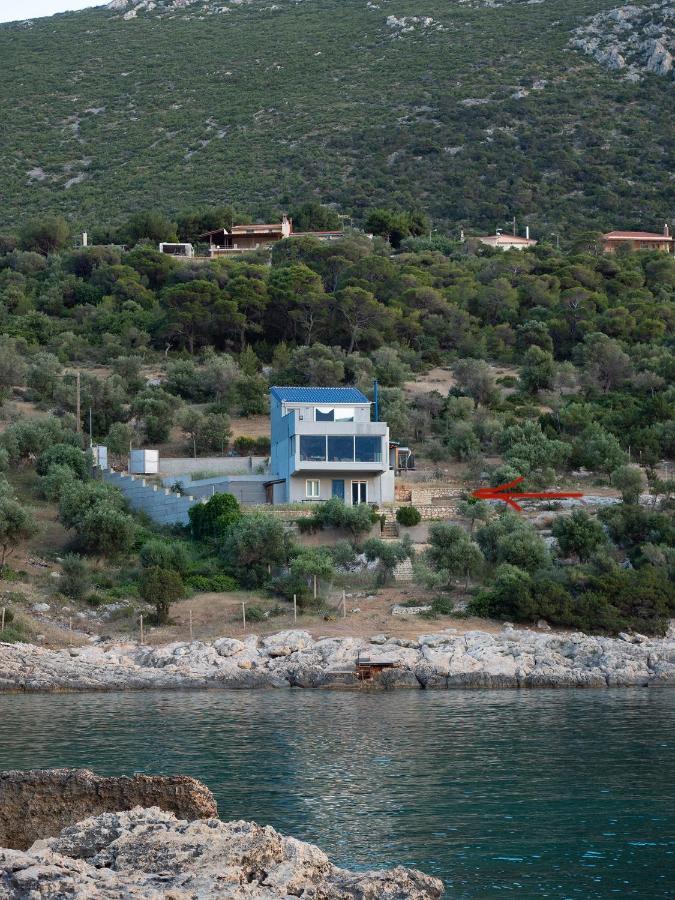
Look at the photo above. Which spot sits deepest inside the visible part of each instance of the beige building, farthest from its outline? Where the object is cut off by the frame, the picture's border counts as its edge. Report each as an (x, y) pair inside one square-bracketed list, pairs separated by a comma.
[(638, 240), (243, 238), (508, 241)]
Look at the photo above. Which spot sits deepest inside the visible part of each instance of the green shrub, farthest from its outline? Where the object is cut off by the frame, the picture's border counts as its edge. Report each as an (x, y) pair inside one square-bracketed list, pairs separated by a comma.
[(74, 581), (343, 554), (245, 446), (290, 584), (335, 514), (165, 555), (57, 480), (219, 584), (213, 518), (408, 516), (15, 633), (63, 455), (255, 614), (161, 587), (255, 544), (442, 606)]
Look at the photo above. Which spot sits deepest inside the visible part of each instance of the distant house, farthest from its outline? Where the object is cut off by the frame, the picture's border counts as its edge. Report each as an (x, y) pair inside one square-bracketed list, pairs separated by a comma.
[(325, 445), (638, 240), (508, 241), (172, 249), (243, 238)]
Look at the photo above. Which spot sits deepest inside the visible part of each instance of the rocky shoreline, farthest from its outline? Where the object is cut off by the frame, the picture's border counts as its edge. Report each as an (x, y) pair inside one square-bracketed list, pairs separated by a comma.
[(148, 852), (441, 660)]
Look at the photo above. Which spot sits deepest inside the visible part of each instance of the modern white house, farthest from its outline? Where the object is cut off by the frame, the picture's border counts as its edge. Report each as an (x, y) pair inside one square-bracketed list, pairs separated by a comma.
[(325, 445)]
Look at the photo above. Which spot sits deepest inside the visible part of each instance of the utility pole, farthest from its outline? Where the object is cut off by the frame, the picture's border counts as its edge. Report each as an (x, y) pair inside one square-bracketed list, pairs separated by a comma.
[(77, 401)]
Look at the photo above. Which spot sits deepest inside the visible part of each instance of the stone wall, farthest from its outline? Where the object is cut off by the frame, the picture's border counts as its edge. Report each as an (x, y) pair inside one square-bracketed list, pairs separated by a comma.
[(38, 804), (433, 496)]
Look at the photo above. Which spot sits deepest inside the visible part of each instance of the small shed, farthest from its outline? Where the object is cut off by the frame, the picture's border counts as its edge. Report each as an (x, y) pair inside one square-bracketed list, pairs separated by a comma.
[(144, 462)]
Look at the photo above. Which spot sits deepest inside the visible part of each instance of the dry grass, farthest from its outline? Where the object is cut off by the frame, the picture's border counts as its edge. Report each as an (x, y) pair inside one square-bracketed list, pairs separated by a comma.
[(220, 615)]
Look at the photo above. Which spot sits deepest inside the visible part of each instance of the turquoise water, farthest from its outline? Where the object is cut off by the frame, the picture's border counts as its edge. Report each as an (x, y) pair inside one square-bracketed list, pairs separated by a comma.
[(525, 794)]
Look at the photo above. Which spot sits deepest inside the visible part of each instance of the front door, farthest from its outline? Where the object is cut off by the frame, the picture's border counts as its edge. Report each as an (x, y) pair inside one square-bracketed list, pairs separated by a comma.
[(359, 492), (338, 489)]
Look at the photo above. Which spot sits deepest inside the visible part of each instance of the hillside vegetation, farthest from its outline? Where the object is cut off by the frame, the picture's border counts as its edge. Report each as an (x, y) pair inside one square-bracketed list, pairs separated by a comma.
[(473, 111), (169, 346)]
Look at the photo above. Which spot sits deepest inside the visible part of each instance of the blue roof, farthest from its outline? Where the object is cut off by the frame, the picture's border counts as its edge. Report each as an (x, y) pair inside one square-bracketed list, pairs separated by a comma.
[(319, 394)]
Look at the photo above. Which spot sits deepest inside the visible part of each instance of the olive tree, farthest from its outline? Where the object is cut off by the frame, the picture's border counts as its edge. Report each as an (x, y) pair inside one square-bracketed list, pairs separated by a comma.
[(161, 587), (17, 524), (452, 553), (579, 535), (630, 481)]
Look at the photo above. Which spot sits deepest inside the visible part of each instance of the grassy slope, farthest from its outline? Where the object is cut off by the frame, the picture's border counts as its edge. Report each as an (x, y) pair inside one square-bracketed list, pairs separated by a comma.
[(323, 98)]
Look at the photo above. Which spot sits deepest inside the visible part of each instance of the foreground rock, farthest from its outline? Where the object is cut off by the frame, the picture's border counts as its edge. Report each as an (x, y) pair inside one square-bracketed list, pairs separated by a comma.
[(149, 853), (510, 659), (41, 803)]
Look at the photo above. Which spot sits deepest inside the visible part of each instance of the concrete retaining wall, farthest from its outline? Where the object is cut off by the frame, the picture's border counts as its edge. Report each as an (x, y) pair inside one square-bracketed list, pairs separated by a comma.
[(161, 504), (220, 465), (248, 489)]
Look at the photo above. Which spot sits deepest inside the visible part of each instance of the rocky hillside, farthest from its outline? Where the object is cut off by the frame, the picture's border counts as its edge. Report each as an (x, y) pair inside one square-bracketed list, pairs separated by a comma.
[(636, 40), (476, 110)]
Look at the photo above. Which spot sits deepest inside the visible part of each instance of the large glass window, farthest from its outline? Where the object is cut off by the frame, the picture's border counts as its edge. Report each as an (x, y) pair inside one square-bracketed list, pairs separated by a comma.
[(340, 449), (359, 492), (368, 449), (333, 414), (312, 448)]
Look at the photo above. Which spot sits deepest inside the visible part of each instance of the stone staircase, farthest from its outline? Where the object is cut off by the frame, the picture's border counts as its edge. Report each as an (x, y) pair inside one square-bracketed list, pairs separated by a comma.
[(404, 571), (390, 527)]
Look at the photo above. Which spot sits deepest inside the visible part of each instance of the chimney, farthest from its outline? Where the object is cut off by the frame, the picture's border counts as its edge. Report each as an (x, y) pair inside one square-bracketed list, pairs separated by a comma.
[(666, 230), (527, 232), (84, 238)]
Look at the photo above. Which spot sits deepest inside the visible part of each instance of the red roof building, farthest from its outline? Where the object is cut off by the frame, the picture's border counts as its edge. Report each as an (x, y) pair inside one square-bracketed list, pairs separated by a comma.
[(638, 240)]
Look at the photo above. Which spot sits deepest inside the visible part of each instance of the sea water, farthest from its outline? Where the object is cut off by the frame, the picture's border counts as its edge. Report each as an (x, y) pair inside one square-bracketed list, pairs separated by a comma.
[(541, 793)]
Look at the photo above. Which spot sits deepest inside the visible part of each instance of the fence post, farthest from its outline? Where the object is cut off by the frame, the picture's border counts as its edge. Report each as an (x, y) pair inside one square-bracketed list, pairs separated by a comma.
[(2, 619), (243, 613), (295, 607), (315, 587), (344, 605), (141, 628), (190, 614)]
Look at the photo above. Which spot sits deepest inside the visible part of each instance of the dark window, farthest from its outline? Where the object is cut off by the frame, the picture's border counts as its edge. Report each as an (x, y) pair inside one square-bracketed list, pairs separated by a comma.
[(324, 414), (312, 448), (368, 449), (341, 449)]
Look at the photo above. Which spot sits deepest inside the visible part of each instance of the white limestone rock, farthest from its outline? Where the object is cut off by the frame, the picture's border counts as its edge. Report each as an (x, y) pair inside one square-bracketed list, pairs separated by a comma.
[(150, 853), (286, 642)]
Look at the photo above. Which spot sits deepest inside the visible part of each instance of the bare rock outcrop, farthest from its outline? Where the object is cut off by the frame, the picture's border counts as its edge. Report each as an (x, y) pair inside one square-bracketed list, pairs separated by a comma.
[(40, 803), (149, 853), (511, 659), (632, 39)]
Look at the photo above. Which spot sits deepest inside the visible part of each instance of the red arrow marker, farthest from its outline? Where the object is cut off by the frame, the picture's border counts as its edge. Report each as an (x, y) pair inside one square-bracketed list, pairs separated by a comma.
[(504, 493)]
